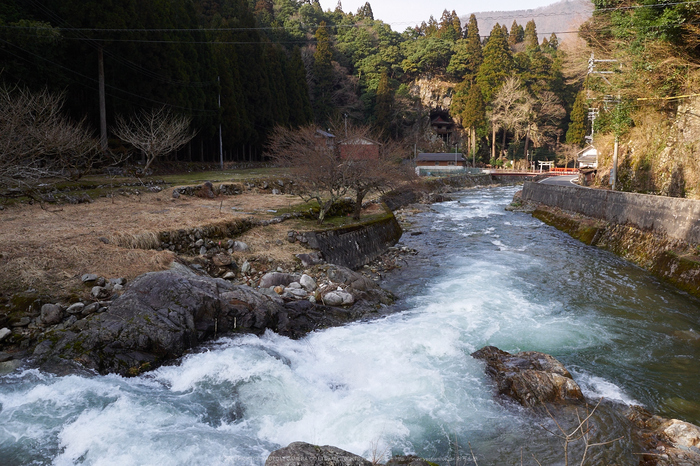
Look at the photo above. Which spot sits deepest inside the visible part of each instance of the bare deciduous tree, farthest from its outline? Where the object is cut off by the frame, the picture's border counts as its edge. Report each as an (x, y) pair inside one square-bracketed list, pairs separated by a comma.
[(155, 132), (326, 170), (543, 125), (372, 167), (314, 164), (512, 108), (37, 142)]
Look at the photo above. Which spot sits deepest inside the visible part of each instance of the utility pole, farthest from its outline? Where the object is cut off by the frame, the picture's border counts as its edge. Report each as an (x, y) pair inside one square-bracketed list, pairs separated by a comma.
[(103, 105), (606, 100), (221, 146)]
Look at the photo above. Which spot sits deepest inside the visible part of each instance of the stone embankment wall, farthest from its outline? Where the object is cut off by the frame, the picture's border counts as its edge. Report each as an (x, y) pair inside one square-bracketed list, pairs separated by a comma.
[(675, 217), (357, 245), (657, 233)]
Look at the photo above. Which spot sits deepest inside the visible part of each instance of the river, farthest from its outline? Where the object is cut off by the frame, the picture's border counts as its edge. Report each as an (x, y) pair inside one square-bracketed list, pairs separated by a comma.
[(401, 384)]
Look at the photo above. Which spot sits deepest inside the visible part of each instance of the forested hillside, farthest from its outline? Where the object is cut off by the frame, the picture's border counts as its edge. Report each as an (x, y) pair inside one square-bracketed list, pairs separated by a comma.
[(644, 93), (249, 65)]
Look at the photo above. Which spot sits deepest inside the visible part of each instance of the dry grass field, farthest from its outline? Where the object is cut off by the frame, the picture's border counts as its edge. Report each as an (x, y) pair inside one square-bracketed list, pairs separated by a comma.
[(48, 248)]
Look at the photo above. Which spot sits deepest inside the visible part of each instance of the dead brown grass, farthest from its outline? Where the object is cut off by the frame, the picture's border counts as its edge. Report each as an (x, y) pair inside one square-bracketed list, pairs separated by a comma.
[(49, 250)]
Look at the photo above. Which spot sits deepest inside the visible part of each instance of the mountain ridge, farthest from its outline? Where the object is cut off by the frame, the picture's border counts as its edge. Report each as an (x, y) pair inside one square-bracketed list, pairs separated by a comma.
[(563, 18)]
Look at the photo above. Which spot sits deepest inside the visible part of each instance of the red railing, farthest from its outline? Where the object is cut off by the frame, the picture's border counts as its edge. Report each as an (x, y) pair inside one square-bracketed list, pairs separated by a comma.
[(563, 171)]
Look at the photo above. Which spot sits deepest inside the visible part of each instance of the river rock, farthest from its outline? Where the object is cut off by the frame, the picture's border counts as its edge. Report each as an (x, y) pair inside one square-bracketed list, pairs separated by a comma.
[(338, 298), (240, 246), (308, 260), (410, 460), (245, 268), (206, 190), (4, 333), (89, 278), (362, 289), (305, 454), (308, 283), (76, 308), (51, 314), (9, 366), (90, 309), (99, 292), (277, 279), (221, 260), (530, 377), (296, 293), (667, 442), (118, 281)]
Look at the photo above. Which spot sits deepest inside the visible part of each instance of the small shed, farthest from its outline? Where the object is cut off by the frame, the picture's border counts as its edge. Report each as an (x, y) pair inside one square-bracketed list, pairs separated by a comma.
[(325, 136), (588, 158)]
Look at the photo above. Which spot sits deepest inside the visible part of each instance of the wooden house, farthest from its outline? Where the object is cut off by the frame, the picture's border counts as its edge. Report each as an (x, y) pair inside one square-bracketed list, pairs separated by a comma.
[(444, 161), (359, 148)]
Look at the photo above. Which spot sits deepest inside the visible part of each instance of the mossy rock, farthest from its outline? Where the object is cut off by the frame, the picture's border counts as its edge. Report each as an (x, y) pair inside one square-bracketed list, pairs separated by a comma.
[(22, 302)]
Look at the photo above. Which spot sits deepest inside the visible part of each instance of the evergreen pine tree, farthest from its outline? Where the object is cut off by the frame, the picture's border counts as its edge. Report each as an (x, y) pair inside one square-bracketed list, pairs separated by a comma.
[(300, 112), (576, 133), (385, 100), (365, 12), (517, 34), (530, 39), (456, 25), (322, 76), (497, 63), (473, 52)]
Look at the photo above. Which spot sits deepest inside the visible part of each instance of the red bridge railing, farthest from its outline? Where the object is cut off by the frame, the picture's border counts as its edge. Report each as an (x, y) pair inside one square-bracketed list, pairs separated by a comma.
[(563, 171)]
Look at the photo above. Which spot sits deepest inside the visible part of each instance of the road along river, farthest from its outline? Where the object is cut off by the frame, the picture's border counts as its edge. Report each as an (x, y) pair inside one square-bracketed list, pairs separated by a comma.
[(401, 384)]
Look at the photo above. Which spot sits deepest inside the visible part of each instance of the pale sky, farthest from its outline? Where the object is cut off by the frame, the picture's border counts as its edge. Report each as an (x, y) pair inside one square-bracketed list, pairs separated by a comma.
[(401, 14)]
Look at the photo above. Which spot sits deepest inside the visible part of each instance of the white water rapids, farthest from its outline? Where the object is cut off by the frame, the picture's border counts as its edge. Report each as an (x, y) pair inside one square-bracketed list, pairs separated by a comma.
[(400, 384)]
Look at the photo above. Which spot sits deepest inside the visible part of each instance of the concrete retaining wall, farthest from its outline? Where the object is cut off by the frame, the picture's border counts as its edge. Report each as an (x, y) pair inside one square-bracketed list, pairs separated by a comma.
[(357, 245), (675, 217)]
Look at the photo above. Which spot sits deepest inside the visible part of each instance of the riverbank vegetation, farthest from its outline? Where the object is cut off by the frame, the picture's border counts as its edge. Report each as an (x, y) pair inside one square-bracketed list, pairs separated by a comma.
[(643, 89)]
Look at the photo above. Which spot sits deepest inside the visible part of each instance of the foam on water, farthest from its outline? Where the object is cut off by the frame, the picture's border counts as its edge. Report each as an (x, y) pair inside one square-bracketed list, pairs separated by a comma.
[(596, 387)]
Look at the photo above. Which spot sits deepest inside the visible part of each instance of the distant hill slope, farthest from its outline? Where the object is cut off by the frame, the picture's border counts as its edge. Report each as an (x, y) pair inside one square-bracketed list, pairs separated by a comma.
[(560, 17)]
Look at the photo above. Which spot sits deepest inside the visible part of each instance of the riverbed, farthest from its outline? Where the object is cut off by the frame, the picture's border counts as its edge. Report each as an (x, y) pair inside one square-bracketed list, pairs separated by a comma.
[(402, 384)]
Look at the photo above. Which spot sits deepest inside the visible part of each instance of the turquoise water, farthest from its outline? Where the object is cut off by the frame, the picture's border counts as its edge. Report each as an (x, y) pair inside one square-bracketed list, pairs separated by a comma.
[(400, 384)]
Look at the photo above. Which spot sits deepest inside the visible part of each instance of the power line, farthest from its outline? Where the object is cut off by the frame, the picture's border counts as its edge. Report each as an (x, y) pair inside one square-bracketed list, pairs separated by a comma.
[(203, 112), (51, 14)]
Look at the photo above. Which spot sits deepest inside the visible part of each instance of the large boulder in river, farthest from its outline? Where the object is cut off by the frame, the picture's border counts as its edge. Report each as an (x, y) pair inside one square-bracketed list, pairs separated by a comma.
[(160, 315), (306, 454), (530, 377)]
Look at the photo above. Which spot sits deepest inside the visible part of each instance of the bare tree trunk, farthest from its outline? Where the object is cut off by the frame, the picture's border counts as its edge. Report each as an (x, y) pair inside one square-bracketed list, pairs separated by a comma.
[(503, 146), (493, 142), (359, 197), (527, 141)]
